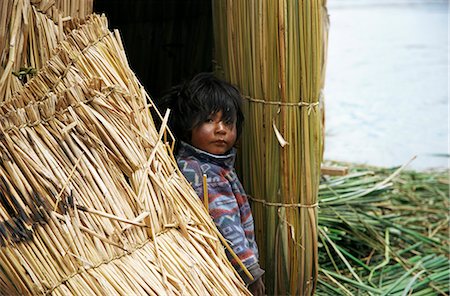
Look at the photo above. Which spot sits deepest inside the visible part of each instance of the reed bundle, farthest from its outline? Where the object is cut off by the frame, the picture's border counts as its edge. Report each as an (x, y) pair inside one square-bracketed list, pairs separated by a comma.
[(91, 199), (384, 232), (274, 51), (29, 32), (54, 9)]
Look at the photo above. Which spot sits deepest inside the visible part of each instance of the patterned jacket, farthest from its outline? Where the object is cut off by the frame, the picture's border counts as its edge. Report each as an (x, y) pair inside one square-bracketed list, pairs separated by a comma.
[(228, 204)]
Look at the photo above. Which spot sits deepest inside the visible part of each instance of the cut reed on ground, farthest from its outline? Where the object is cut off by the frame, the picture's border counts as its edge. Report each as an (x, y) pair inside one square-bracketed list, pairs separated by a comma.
[(91, 200), (275, 52), (384, 232)]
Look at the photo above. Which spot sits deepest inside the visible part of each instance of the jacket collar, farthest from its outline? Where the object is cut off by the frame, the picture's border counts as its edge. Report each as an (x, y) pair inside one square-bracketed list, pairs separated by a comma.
[(223, 160)]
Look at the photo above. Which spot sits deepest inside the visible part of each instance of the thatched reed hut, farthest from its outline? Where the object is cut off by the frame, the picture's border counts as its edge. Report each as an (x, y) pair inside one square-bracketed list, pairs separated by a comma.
[(92, 201), (274, 51)]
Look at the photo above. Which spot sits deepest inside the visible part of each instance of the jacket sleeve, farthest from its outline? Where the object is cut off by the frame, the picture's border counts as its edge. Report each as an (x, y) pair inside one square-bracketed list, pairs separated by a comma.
[(224, 210)]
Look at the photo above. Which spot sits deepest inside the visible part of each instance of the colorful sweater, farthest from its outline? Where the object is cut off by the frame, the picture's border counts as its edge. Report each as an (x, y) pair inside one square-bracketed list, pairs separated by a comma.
[(228, 204)]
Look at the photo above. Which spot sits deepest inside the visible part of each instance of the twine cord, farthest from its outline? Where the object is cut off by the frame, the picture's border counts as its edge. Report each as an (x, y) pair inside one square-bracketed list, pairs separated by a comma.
[(73, 60), (44, 120), (95, 266), (282, 205), (137, 247), (309, 106)]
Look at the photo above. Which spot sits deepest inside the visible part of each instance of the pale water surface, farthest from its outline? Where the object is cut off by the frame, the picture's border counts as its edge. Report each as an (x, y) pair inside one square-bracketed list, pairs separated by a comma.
[(387, 82)]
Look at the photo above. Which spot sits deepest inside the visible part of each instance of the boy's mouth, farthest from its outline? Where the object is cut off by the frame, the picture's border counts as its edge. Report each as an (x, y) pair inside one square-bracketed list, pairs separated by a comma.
[(220, 142)]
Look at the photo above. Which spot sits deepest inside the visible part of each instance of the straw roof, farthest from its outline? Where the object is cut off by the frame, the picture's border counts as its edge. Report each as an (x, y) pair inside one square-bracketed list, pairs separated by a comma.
[(91, 199)]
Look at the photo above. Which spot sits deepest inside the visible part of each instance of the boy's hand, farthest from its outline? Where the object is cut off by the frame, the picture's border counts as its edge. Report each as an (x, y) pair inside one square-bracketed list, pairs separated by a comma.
[(257, 288)]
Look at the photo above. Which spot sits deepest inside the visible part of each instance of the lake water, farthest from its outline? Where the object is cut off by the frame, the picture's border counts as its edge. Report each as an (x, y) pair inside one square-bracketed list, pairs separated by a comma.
[(386, 90)]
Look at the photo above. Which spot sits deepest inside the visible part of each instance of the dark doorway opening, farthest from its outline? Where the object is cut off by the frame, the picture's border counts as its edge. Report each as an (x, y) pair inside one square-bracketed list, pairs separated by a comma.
[(166, 41)]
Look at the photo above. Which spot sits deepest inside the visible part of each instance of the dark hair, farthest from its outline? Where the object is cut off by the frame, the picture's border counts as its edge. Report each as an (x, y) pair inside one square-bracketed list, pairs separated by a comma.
[(192, 102)]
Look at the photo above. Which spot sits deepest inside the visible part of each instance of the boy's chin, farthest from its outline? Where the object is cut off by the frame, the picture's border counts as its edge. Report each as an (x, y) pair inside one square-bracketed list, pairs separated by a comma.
[(218, 149)]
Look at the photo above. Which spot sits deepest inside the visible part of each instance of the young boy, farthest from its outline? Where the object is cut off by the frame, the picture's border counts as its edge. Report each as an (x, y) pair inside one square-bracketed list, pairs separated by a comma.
[(207, 119)]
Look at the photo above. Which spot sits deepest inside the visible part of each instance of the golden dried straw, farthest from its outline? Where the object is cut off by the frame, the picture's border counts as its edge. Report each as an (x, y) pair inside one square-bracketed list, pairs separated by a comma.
[(91, 200), (29, 32), (274, 51)]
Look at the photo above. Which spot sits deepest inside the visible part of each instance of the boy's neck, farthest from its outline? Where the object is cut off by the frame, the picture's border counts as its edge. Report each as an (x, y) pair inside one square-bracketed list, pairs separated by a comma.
[(224, 160)]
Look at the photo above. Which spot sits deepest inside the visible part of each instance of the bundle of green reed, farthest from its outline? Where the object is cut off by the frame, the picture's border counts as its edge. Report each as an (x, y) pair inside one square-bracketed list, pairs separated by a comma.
[(275, 51), (384, 232), (91, 200)]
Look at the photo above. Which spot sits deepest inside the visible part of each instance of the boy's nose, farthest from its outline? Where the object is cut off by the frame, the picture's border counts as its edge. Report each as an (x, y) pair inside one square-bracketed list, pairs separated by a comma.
[(220, 127)]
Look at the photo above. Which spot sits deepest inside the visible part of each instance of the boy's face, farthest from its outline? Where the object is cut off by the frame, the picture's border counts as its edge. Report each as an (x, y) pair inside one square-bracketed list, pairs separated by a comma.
[(214, 135)]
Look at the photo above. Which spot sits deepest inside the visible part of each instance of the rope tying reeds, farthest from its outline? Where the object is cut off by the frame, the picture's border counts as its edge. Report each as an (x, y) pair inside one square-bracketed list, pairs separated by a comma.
[(74, 59), (51, 67), (310, 106), (101, 263), (282, 205), (45, 118)]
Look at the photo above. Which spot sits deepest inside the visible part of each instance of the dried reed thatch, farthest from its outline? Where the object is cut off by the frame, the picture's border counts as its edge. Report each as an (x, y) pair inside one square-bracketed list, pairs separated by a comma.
[(91, 200), (275, 52), (29, 32)]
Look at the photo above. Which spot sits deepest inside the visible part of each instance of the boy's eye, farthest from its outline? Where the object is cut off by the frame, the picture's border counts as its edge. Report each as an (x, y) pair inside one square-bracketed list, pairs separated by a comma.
[(229, 122)]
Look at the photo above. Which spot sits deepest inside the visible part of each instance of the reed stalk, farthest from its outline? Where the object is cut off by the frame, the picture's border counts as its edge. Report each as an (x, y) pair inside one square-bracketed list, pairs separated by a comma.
[(384, 240), (275, 52), (30, 31)]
